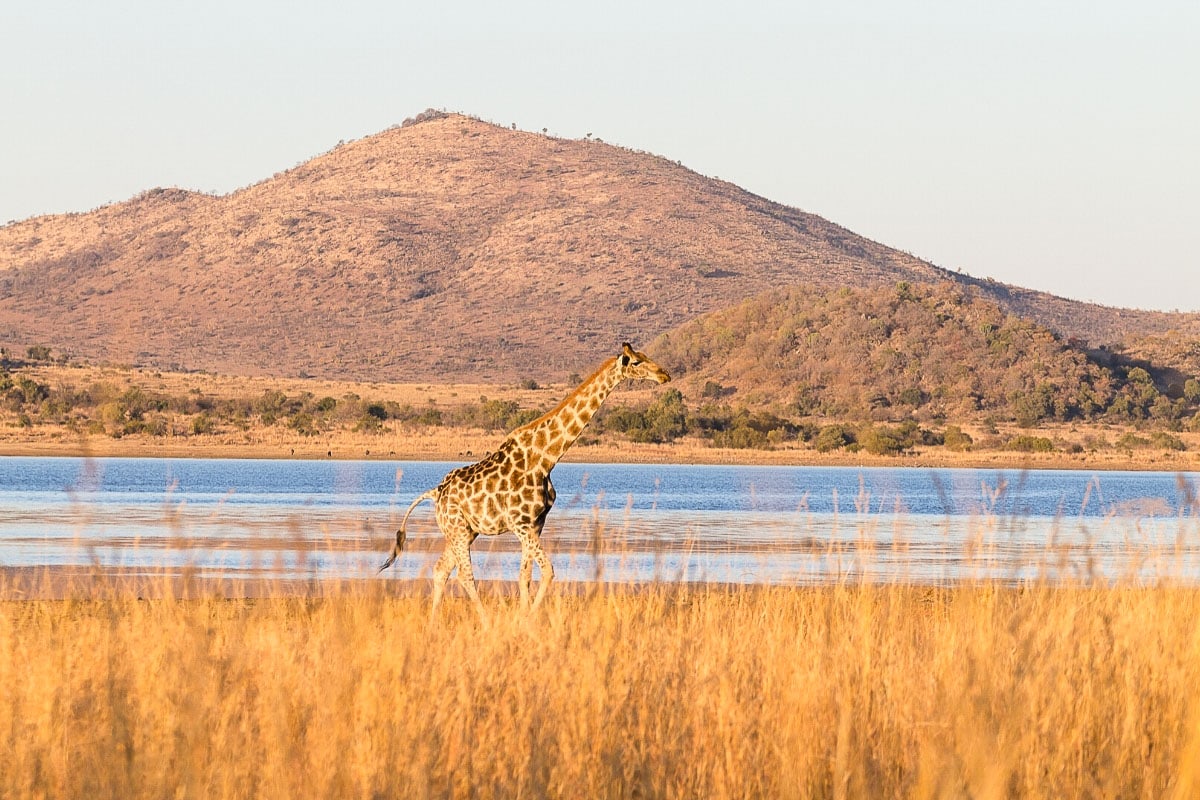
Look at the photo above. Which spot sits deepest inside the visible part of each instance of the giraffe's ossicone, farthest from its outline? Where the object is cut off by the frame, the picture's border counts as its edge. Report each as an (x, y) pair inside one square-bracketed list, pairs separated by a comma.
[(509, 490)]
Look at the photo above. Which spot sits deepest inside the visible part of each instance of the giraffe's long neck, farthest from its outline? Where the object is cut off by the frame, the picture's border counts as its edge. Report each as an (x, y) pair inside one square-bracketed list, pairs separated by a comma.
[(549, 436)]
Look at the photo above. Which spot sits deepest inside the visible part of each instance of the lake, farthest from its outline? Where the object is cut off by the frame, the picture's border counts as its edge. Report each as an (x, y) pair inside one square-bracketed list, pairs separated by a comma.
[(612, 522)]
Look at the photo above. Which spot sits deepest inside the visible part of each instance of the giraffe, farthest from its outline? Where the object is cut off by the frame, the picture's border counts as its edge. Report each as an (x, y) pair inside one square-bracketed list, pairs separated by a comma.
[(509, 490)]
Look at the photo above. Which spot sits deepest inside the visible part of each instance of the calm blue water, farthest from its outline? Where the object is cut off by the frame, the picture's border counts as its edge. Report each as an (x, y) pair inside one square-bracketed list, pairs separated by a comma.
[(307, 519)]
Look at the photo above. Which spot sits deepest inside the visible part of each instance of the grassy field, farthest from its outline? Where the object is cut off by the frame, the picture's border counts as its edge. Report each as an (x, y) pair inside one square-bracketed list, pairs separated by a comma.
[(344, 690), (840, 691)]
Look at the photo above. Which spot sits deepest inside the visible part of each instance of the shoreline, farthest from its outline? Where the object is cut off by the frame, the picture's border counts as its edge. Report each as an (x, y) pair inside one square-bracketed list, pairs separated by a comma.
[(470, 447), (1077, 445)]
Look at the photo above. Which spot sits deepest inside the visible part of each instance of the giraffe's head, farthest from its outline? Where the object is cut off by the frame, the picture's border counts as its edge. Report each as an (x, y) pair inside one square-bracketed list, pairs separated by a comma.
[(635, 365)]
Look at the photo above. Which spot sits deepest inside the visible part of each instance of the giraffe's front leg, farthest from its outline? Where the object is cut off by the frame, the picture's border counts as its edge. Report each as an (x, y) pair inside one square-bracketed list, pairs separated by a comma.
[(525, 577)]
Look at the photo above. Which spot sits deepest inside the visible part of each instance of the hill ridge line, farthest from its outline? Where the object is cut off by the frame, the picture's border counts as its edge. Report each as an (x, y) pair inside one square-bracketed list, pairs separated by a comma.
[(446, 248)]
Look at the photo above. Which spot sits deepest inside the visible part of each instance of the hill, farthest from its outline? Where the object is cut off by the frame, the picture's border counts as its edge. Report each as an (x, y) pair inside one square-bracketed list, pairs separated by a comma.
[(444, 249), (909, 351)]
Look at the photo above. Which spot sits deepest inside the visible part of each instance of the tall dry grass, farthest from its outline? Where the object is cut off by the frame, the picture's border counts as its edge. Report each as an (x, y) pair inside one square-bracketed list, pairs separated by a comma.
[(670, 691)]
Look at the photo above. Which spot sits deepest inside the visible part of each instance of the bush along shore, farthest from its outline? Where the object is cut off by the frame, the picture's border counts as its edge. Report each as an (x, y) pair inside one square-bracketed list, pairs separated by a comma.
[(43, 403)]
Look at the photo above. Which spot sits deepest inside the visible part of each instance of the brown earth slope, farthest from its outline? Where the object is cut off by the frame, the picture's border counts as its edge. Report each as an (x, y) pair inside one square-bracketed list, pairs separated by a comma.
[(448, 248)]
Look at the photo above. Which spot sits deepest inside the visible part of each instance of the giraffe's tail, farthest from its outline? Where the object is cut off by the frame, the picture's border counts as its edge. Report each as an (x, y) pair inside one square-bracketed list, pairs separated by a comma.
[(402, 534)]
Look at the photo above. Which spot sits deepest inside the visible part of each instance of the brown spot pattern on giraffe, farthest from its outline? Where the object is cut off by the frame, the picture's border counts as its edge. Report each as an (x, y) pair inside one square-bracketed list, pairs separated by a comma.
[(510, 489)]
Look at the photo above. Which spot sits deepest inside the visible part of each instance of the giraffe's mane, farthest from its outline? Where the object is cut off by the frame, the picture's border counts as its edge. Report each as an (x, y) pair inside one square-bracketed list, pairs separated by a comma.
[(528, 426)]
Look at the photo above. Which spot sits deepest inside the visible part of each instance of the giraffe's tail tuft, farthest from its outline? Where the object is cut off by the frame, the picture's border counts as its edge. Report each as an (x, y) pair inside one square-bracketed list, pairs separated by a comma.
[(402, 533), (396, 548)]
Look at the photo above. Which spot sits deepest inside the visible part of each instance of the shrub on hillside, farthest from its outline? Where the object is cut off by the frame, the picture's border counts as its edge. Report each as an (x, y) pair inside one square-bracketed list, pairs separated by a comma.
[(430, 416), (1030, 444), (882, 440), (956, 439), (715, 391), (741, 437), (1165, 441), (1131, 441), (25, 391), (304, 423), (37, 352), (665, 420), (832, 437), (493, 415), (1191, 391)]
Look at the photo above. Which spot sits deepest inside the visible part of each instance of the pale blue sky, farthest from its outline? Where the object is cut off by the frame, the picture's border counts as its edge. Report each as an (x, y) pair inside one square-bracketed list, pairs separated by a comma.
[(1050, 145)]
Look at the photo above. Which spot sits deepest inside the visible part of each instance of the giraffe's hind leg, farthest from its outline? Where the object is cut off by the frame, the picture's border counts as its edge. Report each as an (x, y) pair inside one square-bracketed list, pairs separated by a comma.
[(531, 551), (543, 562), (525, 576), (459, 549), (466, 577), (441, 574)]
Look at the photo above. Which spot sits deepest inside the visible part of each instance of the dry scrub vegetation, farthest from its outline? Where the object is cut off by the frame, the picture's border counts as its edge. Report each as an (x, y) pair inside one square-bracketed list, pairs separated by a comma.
[(51, 406), (840, 691), (926, 353)]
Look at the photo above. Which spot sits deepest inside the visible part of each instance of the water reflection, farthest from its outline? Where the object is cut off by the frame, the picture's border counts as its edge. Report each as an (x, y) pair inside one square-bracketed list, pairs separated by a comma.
[(758, 525)]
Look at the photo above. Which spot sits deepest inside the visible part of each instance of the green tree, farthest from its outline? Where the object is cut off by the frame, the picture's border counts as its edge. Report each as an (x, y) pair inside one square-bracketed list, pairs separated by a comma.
[(665, 419), (1165, 441), (1031, 444), (1166, 412), (956, 439), (741, 437), (1191, 390), (714, 390), (429, 416), (27, 391), (271, 406), (831, 437), (881, 440), (303, 423), (1139, 375), (912, 396)]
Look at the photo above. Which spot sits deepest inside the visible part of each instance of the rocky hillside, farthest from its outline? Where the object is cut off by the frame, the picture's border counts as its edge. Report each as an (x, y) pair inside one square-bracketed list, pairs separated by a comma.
[(930, 352), (444, 249)]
